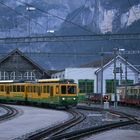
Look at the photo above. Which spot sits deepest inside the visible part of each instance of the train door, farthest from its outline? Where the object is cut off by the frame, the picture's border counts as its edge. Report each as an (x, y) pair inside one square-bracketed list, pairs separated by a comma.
[(57, 90)]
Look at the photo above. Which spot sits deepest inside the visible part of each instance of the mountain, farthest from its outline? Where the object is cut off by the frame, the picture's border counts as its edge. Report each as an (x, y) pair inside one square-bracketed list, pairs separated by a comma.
[(68, 17)]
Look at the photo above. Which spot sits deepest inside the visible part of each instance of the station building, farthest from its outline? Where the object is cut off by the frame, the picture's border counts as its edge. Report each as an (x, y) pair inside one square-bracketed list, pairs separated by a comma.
[(88, 77), (17, 66)]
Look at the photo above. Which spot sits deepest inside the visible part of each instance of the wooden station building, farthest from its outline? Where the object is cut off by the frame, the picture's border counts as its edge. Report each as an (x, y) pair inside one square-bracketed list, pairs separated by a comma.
[(17, 66)]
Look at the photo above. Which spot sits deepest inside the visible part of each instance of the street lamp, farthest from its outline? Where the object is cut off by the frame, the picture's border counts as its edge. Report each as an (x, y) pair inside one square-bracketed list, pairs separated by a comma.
[(50, 31), (30, 8)]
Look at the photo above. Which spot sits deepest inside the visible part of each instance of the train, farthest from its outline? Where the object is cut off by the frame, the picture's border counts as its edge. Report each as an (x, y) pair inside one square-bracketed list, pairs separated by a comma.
[(126, 95), (129, 95), (50, 92), (96, 98)]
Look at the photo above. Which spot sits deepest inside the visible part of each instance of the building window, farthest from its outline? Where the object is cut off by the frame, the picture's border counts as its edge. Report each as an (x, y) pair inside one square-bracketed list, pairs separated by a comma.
[(20, 76), (29, 75), (86, 86), (15, 76), (32, 75), (110, 85), (4, 75), (26, 75)]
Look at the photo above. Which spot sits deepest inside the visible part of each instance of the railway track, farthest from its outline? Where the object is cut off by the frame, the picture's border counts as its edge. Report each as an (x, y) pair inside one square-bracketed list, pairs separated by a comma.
[(10, 112), (56, 130), (74, 135)]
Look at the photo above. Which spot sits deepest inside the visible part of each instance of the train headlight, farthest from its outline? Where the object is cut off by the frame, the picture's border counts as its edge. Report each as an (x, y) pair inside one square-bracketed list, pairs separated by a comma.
[(74, 98), (63, 98)]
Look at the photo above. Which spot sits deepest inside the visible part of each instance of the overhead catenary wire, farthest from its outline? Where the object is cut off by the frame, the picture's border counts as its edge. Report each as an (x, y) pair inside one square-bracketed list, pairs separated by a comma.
[(133, 52), (58, 17), (18, 13)]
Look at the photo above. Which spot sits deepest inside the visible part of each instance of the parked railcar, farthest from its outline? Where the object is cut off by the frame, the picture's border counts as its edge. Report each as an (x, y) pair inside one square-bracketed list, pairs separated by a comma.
[(132, 96), (48, 91)]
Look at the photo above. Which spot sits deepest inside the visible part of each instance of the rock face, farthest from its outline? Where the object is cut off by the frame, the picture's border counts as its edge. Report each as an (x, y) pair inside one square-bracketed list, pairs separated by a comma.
[(101, 16), (68, 17)]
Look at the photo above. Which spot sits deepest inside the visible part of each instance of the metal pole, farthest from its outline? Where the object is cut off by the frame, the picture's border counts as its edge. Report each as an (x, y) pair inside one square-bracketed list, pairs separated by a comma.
[(120, 73), (125, 75), (102, 61), (115, 94)]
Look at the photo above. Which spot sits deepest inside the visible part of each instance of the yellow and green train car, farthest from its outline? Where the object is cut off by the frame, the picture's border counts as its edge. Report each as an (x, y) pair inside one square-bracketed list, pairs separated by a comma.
[(52, 92)]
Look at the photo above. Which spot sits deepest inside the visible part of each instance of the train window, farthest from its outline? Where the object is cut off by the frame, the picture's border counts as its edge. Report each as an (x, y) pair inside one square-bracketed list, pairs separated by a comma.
[(2, 88), (57, 89), (63, 89), (22, 88), (14, 89), (11, 88), (44, 89), (29, 89), (71, 89), (18, 88), (39, 90), (7, 89), (51, 91), (48, 89), (135, 90), (34, 89)]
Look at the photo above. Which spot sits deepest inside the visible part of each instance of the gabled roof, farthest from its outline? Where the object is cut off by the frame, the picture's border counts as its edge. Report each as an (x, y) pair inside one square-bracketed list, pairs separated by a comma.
[(121, 59), (26, 58)]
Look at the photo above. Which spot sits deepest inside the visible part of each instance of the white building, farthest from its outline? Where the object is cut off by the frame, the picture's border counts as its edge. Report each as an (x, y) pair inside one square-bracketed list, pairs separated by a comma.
[(80, 75), (108, 74), (89, 78)]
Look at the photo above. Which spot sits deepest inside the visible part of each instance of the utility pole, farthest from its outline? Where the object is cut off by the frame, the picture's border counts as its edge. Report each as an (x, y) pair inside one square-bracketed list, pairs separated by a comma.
[(126, 75), (121, 71), (115, 94), (102, 61)]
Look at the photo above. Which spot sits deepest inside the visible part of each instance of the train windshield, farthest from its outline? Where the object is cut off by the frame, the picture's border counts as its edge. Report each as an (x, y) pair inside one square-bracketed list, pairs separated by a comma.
[(63, 89), (68, 89), (71, 89)]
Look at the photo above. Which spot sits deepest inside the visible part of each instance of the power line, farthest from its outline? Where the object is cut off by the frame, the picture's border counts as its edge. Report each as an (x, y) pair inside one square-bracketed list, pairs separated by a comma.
[(20, 14), (58, 17), (71, 38), (82, 53)]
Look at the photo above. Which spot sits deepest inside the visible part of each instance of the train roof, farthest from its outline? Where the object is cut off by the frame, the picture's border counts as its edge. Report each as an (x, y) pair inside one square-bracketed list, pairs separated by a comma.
[(47, 80), (6, 81), (136, 84), (57, 80)]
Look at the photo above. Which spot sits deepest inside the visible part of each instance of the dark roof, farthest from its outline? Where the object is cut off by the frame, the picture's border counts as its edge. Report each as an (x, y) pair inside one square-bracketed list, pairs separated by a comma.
[(107, 60), (121, 59), (97, 63), (26, 58)]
